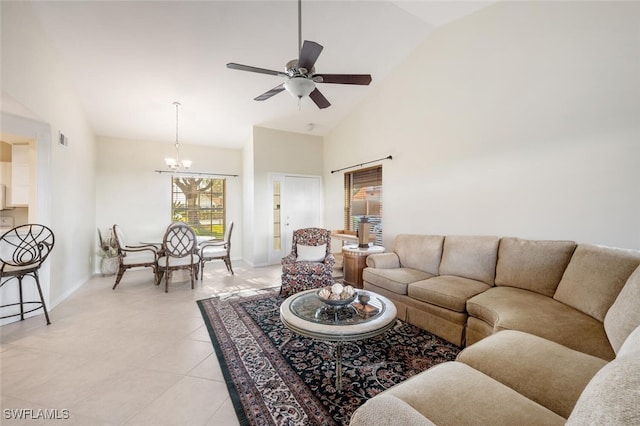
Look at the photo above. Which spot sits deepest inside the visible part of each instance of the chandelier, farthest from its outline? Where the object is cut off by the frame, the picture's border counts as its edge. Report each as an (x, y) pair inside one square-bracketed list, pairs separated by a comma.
[(175, 163)]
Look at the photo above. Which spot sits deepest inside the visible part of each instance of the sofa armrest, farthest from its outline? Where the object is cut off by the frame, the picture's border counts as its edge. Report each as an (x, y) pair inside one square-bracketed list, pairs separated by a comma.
[(330, 261), (290, 258), (383, 261), (386, 409)]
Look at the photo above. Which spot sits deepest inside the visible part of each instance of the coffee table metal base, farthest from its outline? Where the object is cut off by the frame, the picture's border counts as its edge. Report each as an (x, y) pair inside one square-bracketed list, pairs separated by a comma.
[(299, 314)]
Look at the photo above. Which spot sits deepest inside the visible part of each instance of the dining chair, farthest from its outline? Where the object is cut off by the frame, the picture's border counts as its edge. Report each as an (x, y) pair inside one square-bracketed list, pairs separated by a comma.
[(23, 250), (134, 256), (217, 249), (179, 248)]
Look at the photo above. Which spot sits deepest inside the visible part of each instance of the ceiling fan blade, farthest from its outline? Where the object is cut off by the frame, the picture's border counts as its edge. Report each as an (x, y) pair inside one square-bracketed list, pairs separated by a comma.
[(360, 79), (309, 54), (319, 99), (266, 95), (241, 67)]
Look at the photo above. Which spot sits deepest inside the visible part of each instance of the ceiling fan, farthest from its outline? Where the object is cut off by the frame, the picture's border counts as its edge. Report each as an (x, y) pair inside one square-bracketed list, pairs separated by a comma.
[(300, 73)]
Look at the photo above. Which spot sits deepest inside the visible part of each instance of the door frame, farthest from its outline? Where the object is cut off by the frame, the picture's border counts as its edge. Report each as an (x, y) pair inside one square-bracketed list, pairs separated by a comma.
[(40, 134)]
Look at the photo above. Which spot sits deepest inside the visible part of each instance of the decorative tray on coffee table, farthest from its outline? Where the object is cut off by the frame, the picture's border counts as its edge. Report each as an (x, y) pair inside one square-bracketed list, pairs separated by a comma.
[(337, 295)]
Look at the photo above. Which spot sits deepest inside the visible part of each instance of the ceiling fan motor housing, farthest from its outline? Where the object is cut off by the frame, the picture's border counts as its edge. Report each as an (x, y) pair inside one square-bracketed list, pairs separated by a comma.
[(293, 70)]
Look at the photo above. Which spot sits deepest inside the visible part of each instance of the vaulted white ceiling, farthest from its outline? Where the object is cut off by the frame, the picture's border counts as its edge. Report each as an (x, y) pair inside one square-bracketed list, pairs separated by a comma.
[(130, 60)]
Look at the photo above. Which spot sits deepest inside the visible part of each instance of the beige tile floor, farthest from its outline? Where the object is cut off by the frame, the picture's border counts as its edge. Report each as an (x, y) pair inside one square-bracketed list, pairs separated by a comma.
[(131, 356)]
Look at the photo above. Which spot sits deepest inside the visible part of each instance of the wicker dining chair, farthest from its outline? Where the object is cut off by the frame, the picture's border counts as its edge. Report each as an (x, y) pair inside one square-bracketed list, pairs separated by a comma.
[(179, 246), (217, 249), (23, 250), (134, 256)]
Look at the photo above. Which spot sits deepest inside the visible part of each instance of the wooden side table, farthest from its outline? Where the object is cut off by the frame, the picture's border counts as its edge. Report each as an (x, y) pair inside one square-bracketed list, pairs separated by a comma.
[(354, 260)]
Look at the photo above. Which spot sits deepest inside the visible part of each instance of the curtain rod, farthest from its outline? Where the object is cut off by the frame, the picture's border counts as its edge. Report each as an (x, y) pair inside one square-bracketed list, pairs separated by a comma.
[(362, 164), (194, 173)]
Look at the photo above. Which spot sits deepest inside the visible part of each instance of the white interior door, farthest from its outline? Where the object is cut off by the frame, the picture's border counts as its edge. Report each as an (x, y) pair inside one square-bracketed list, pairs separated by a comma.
[(301, 207)]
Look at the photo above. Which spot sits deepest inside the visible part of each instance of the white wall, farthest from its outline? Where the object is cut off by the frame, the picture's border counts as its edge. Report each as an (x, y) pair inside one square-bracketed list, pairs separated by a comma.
[(34, 77), (521, 119), (138, 199), (275, 151)]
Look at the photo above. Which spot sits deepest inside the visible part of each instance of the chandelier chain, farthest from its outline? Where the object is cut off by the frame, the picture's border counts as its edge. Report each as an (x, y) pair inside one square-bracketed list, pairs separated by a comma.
[(177, 104), (175, 164)]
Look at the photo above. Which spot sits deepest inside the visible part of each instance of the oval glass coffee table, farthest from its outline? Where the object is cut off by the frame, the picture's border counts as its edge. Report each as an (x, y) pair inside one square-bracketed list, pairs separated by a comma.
[(305, 314)]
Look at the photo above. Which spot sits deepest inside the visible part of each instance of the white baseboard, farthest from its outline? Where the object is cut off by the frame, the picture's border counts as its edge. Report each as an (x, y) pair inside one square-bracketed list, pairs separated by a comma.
[(54, 303)]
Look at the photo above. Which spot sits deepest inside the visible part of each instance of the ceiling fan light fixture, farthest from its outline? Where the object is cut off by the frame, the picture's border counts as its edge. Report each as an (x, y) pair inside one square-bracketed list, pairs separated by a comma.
[(299, 86)]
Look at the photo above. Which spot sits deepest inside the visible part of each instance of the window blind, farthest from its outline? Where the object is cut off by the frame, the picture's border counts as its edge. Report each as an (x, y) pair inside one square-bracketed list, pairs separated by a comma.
[(365, 185)]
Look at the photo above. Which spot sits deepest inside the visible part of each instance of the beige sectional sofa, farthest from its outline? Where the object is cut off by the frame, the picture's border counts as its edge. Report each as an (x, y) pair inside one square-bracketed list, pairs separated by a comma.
[(548, 325), (465, 288)]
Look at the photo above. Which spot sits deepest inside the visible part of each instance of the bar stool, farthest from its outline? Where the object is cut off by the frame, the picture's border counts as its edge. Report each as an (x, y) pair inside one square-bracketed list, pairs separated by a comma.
[(23, 250)]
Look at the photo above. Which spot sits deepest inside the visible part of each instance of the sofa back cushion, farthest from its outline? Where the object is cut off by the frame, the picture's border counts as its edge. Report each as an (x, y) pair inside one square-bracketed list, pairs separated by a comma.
[(594, 277), (534, 265), (422, 252), (624, 315), (470, 257)]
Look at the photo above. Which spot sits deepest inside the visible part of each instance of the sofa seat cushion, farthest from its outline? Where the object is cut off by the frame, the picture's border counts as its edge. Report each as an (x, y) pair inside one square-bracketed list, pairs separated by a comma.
[(535, 265), (395, 280), (447, 291), (305, 268), (508, 308), (453, 393), (594, 277), (470, 257), (546, 372)]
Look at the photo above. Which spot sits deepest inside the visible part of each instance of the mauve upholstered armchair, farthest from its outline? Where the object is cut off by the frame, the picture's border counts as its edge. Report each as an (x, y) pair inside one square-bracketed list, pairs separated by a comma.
[(310, 263)]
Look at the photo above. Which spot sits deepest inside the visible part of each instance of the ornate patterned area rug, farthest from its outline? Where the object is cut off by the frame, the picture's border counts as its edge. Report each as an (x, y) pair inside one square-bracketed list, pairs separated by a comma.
[(276, 377)]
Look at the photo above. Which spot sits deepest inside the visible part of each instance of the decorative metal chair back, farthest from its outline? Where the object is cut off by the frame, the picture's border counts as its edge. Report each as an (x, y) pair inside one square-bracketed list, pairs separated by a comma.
[(23, 250), (25, 247), (179, 240)]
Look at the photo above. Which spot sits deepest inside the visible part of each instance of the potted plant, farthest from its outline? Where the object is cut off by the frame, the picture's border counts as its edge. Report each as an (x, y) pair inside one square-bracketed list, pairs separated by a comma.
[(108, 251)]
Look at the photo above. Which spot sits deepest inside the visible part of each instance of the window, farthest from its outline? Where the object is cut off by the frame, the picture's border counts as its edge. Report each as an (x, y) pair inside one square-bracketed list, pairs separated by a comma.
[(199, 203), (363, 197)]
